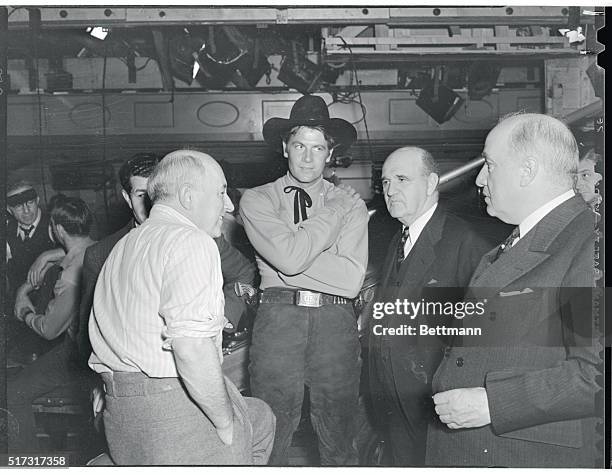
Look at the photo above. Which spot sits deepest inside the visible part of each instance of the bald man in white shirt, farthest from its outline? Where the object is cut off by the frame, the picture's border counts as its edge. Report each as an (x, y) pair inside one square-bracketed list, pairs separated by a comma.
[(156, 332)]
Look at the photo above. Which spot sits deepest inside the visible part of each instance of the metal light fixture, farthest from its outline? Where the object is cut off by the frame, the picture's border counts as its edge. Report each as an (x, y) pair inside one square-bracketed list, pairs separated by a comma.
[(437, 100), (98, 32)]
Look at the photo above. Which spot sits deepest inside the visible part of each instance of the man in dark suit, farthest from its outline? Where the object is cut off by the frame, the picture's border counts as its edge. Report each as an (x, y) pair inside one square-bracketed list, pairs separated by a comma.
[(430, 259), (522, 393)]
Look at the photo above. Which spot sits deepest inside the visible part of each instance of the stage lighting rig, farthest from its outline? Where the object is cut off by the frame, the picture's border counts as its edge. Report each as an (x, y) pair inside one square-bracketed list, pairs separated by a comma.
[(438, 100)]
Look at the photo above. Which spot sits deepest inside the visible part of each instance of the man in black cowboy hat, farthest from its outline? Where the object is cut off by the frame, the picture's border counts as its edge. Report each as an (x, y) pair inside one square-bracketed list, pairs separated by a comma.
[(312, 250)]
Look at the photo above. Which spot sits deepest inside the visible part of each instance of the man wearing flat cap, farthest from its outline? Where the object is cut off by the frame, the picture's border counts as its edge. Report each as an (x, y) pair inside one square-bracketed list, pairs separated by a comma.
[(27, 235), (310, 237)]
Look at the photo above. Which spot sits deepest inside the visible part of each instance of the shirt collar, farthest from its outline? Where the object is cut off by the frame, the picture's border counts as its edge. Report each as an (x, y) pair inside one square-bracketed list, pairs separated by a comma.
[(21, 232), (165, 213), (419, 224), (534, 218), (311, 188)]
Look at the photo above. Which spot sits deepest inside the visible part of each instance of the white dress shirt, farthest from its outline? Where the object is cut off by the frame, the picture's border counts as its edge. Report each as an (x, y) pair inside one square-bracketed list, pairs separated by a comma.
[(161, 281), (534, 218)]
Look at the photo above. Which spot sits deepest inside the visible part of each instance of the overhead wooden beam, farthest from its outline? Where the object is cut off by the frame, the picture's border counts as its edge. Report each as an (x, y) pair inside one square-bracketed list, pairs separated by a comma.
[(472, 43), (435, 55), (503, 31), (382, 31), (478, 38), (418, 16)]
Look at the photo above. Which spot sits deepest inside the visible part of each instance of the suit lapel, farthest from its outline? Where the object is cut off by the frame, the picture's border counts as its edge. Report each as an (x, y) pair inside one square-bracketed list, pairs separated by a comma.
[(390, 259), (529, 252), (511, 265), (415, 268)]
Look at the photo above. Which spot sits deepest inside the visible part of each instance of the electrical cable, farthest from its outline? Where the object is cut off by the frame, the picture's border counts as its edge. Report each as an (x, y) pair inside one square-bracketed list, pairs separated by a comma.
[(363, 109), (41, 150), (144, 65), (139, 68), (104, 194)]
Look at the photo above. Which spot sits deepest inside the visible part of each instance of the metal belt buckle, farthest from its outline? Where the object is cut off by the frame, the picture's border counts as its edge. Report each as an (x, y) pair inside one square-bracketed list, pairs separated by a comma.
[(305, 298)]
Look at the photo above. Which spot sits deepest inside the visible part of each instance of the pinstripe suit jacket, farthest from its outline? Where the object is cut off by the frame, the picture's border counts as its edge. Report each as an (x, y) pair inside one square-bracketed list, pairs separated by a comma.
[(538, 356)]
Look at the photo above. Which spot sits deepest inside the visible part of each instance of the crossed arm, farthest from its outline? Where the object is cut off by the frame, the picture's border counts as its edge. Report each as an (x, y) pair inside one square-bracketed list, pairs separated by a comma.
[(327, 252)]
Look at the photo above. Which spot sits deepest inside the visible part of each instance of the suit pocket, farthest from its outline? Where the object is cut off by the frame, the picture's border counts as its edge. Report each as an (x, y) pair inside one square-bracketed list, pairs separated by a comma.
[(512, 318), (566, 433), (563, 433)]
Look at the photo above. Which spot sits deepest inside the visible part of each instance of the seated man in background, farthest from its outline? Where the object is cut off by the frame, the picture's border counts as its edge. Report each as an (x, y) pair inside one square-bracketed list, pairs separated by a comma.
[(156, 330), (133, 178), (70, 223)]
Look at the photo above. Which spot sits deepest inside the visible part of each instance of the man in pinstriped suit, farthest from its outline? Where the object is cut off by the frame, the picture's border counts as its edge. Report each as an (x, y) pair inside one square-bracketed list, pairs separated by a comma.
[(523, 393)]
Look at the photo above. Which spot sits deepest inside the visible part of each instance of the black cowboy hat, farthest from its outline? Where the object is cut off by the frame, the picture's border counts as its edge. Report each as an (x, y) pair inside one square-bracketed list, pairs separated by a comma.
[(309, 111)]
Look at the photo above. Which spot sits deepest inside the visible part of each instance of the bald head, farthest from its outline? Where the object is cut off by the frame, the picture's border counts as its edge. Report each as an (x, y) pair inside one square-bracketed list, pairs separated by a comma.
[(548, 140), (405, 154), (193, 184), (409, 179), (529, 160), (178, 168)]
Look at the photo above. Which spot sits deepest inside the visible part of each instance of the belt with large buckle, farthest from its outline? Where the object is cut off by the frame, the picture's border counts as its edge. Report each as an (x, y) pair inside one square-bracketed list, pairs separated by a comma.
[(306, 298), (301, 298)]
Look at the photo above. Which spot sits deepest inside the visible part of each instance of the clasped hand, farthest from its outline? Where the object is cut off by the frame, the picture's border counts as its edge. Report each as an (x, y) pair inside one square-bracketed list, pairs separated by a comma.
[(22, 304), (463, 408)]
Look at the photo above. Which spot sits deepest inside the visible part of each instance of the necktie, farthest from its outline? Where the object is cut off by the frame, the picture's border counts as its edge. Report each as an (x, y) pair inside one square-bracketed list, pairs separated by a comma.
[(26, 232), (507, 244), (301, 201), (401, 245)]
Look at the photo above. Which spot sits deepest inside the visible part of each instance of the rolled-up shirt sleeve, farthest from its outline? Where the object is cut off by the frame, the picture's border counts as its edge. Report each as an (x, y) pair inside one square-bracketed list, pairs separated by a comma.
[(191, 302)]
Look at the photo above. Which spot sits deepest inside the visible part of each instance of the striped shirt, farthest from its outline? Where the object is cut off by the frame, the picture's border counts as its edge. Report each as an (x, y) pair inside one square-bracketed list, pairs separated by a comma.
[(161, 281)]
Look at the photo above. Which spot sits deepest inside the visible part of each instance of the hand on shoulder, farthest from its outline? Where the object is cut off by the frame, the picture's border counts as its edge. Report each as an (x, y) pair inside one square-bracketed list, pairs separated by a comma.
[(343, 198)]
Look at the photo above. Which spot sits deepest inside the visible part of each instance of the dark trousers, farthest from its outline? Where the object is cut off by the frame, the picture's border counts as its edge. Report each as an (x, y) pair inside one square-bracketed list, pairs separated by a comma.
[(50, 371), (319, 347), (401, 396)]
